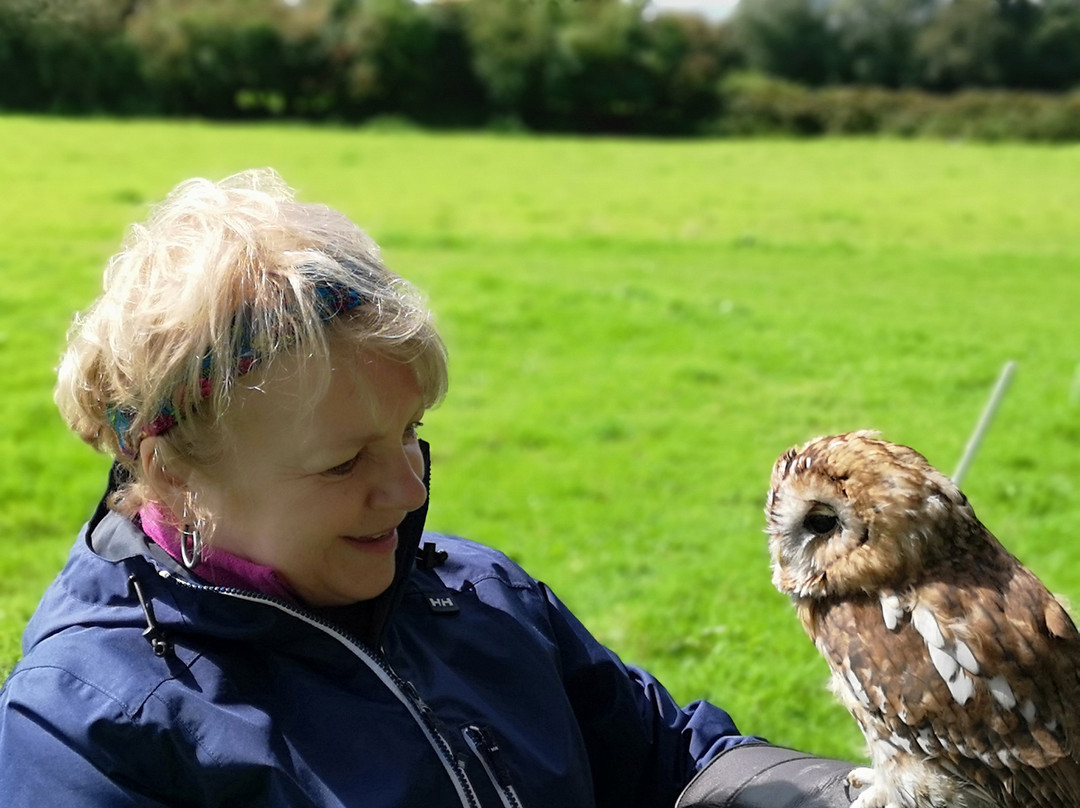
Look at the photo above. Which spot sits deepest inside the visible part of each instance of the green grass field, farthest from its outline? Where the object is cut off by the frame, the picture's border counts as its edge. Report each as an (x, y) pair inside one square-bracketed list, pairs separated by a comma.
[(637, 329)]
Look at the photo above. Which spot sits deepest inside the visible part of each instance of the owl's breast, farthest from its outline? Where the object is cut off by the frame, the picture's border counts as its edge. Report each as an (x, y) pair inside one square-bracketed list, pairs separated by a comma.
[(879, 661)]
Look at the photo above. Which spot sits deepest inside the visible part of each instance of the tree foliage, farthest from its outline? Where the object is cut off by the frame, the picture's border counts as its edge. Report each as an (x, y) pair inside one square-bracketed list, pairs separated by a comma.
[(788, 39), (564, 65), (931, 44)]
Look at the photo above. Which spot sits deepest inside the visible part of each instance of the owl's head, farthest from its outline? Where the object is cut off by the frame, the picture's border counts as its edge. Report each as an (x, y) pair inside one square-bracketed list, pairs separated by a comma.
[(852, 513)]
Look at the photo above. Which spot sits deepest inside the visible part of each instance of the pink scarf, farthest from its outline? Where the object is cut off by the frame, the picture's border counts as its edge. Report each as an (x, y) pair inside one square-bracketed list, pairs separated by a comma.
[(218, 567)]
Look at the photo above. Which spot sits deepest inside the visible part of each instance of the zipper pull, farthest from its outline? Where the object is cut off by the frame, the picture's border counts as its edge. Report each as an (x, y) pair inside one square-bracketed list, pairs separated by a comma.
[(154, 634)]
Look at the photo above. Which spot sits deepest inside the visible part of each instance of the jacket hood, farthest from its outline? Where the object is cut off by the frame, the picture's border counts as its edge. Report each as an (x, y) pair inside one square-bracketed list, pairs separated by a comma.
[(116, 576)]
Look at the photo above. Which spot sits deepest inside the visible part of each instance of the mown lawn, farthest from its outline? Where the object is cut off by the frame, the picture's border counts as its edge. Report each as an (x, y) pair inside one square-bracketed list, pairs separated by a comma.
[(637, 329)]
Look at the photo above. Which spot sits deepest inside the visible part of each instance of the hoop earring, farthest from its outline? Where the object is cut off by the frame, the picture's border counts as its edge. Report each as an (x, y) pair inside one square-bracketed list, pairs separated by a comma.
[(191, 542), (190, 556)]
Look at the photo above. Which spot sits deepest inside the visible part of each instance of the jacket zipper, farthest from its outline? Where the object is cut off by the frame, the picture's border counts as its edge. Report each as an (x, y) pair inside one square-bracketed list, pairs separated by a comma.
[(483, 745), (402, 689)]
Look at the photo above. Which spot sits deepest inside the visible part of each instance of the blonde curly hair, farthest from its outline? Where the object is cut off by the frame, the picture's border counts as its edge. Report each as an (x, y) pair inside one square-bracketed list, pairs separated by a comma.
[(219, 281)]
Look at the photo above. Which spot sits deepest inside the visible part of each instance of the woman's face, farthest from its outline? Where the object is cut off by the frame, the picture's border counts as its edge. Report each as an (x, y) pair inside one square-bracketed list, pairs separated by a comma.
[(317, 493)]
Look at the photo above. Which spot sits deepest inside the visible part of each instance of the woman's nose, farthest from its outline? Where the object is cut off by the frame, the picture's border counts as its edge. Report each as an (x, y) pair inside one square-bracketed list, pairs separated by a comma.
[(401, 484)]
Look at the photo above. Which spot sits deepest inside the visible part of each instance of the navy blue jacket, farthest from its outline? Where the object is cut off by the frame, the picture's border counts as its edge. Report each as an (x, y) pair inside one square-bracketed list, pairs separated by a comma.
[(466, 684)]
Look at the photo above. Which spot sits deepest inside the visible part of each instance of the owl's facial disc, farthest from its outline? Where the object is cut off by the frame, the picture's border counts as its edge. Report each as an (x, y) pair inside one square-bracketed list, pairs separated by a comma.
[(812, 543)]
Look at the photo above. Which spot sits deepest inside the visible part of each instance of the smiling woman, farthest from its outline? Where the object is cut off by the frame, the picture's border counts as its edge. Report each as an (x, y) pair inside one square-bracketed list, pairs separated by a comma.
[(326, 525)]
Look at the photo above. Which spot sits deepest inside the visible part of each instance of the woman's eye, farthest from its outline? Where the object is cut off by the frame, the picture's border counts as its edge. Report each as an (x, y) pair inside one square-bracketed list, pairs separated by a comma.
[(821, 523), (342, 469)]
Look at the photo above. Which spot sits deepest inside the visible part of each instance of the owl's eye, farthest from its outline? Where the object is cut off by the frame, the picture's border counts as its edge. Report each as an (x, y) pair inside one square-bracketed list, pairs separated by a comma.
[(821, 523)]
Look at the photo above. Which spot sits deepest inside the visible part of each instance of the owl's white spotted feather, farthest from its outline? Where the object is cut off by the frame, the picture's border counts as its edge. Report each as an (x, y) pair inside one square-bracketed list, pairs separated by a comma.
[(961, 669)]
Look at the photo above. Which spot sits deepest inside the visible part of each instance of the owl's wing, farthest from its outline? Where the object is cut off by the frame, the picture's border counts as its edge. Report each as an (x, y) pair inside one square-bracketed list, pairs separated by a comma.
[(977, 669), (1027, 674)]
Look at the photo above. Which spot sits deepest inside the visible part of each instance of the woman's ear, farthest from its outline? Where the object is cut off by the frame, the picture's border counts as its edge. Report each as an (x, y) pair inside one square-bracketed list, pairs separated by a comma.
[(165, 473)]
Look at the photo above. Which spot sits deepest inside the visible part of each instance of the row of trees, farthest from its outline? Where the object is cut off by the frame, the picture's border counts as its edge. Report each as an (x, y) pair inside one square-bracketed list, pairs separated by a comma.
[(585, 65), (547, 64), (940, 45)]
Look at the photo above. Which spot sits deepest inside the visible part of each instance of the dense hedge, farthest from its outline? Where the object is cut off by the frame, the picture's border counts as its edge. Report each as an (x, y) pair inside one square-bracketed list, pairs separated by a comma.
[(756, 105), (556, 65)]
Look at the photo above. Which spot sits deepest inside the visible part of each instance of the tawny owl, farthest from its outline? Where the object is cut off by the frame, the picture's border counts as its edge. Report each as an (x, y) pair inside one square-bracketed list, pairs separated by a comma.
[(961, 669)]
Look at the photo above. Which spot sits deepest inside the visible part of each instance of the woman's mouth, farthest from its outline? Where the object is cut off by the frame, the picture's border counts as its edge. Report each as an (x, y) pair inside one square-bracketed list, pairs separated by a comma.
[(380, 543)]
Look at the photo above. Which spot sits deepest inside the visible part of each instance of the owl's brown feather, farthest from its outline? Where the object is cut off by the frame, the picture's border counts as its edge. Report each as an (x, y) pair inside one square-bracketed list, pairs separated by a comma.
[(962, 670)]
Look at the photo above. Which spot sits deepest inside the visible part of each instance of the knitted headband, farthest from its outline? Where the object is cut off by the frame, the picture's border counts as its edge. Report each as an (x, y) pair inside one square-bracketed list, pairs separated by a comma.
[(332, 300)]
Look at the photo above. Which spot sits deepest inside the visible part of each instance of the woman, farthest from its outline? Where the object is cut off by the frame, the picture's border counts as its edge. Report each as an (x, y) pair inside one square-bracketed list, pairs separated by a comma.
[(254, 615)]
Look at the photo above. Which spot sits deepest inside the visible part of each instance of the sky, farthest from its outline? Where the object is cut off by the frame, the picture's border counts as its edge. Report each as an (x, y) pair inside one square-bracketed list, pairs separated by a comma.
[(713, 9)]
